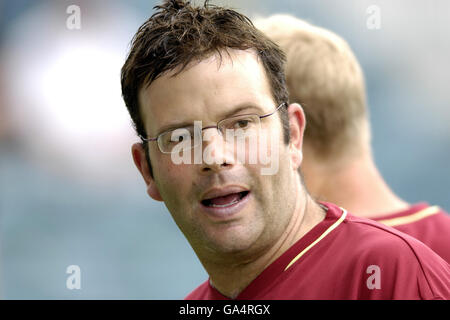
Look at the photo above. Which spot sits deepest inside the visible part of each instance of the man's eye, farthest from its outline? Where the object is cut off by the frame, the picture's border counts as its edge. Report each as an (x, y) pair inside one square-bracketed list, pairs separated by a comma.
[(180, 138), (179, 135), (242, 124)]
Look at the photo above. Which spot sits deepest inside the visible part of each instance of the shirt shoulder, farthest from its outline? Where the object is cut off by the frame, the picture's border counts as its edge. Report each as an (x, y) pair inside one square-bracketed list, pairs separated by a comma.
[(410, 269), (347, 257), (199, 293), (429, 224), (205, 292)]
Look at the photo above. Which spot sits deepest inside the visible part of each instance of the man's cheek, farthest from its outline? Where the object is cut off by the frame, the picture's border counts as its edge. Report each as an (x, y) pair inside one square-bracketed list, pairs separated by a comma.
[(269, 153)]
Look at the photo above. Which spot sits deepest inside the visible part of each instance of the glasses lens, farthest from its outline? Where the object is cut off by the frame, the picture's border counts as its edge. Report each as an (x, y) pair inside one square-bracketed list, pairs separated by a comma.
[(241, 125), (177, 140)]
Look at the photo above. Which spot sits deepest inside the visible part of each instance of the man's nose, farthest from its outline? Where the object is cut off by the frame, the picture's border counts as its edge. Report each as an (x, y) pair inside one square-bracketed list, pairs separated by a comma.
[(217, 154)]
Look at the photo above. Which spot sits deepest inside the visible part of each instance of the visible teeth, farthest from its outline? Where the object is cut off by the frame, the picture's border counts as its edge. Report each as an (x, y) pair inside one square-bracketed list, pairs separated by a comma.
[(223, 205)]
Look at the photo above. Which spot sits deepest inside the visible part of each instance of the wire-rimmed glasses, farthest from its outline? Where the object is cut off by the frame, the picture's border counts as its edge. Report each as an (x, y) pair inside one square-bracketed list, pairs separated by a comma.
[(189, 137)]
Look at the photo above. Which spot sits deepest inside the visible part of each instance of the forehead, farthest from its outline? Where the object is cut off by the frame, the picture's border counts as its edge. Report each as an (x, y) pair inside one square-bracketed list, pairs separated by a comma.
[(206, 90)]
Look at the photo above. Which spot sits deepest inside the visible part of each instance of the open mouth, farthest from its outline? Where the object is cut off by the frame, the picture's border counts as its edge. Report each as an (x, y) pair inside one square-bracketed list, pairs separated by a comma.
[(225, 201)]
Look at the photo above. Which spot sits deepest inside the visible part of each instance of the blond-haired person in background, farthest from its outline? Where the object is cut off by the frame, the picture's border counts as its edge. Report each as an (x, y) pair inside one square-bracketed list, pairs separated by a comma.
[(324, 75)]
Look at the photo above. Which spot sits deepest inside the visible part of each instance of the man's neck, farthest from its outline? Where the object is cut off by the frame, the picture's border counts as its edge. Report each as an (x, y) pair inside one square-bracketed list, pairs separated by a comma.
[(354, 184), (232, 278)]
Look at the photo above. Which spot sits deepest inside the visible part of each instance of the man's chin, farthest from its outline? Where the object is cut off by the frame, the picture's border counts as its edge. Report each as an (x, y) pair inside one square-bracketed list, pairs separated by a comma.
[(232, 245)]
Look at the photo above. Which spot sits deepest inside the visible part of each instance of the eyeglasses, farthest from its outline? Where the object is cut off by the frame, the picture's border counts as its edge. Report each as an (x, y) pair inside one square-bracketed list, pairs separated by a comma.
[(190, 137)]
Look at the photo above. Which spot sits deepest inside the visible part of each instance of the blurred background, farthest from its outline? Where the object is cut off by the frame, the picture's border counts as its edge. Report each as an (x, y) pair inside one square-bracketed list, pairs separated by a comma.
[(69, 192)]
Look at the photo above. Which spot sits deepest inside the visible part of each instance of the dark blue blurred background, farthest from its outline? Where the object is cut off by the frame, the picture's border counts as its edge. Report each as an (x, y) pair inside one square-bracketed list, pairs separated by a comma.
[(69, 192)]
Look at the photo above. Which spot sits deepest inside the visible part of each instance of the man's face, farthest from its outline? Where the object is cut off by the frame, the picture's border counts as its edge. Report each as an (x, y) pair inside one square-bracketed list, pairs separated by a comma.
[(229, 207)]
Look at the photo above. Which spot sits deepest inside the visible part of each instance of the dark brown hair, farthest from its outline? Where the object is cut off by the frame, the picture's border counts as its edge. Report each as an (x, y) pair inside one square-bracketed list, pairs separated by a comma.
[(179, 33)]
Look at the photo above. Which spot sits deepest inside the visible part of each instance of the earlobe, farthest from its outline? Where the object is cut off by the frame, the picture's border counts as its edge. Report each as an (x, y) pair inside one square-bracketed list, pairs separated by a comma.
[(153, 192), (138, 153), (297, 124)]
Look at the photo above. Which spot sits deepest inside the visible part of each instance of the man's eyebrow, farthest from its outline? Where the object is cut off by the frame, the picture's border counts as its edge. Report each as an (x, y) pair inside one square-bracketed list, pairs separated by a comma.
[(239, 108), (243, 107), (174, 126)]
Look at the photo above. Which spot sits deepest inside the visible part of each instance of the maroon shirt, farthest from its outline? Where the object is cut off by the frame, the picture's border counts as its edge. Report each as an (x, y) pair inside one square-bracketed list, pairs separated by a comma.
[(430, 225), (347, 257)]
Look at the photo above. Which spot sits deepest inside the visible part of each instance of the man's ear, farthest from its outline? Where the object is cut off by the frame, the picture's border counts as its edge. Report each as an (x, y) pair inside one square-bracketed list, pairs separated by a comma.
[(297, 124), (138, 153)]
